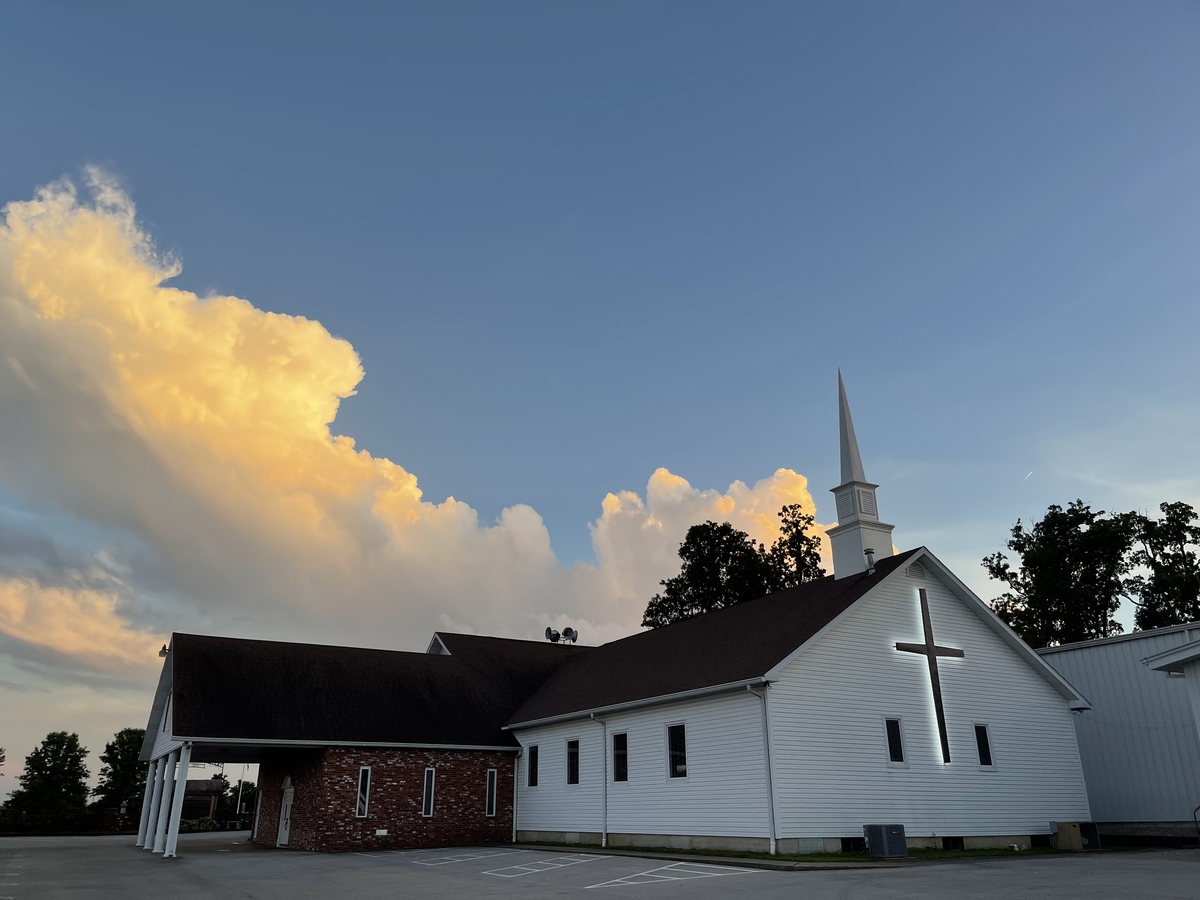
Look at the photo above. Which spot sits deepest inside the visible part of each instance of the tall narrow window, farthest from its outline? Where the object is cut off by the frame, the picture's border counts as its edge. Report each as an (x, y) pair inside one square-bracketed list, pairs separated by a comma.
[(620, 757), (364, 791), (489, 802), (531, 766), (895, 740), (984, 743), (166, 715), (572, 762), (427, 796), (676, 751)]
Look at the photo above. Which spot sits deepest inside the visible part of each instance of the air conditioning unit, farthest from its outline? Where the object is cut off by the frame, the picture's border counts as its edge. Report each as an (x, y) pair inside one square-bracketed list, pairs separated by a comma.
[(885, 840)]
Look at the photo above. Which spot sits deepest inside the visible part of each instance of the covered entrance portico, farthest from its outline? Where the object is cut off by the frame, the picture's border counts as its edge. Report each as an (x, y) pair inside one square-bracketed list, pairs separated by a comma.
[(166, 784)]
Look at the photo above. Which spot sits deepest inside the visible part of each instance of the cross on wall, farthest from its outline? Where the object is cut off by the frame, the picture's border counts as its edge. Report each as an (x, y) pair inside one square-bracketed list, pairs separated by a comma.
[(931, 651)]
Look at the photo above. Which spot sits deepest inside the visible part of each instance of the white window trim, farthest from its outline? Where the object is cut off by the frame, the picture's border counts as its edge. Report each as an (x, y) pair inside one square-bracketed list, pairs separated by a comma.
[(991, 746), (887, 749), (166, 716), (358, 792), (567, 762), (491, 792), (671, 776), (431, 784)]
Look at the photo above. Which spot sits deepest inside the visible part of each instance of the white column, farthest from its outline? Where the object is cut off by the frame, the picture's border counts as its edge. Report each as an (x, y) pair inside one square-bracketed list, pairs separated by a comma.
[(185, 757), (160, 768), (147, 795), (164, 806)]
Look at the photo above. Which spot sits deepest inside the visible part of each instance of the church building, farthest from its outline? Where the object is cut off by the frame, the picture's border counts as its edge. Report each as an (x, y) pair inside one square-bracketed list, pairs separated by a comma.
[(885, 693)]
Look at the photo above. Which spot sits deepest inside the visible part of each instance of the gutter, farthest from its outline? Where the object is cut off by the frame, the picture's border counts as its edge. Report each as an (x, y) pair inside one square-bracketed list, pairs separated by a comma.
[(271, 742), (766, 686), (638, 704), (604, 783)]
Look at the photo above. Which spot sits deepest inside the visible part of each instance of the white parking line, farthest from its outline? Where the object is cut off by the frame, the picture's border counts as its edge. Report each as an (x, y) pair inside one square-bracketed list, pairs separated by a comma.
[(465, 857), (544, 865), (676, 872)]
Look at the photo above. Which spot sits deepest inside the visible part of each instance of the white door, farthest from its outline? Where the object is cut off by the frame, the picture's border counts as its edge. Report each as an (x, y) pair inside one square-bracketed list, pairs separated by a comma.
[(285, 812)]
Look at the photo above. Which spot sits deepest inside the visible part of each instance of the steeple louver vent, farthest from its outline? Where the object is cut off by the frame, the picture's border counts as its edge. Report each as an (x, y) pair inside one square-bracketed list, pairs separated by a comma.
[(845, 505), (916, 570), (866, 501)]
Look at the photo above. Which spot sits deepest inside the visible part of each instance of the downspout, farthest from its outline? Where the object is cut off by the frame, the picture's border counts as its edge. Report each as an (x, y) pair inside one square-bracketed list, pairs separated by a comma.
[(770, 762), (516, 781), (604, 783)]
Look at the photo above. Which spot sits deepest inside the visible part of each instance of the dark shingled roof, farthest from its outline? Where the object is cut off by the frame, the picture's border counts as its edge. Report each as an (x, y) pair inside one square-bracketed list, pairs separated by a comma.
[(732, 645), (275, 691)]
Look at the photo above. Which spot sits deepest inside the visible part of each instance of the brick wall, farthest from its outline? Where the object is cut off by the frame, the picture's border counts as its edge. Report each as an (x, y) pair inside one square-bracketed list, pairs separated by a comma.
[(304, 767), (326, 787)]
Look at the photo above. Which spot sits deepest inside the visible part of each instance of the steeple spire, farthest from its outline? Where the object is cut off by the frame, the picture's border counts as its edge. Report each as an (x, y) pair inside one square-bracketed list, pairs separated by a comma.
[(858, 531), (852, 467)]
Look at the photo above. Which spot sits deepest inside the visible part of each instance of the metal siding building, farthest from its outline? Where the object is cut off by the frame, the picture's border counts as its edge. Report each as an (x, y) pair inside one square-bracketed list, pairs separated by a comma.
[(1138, 743)]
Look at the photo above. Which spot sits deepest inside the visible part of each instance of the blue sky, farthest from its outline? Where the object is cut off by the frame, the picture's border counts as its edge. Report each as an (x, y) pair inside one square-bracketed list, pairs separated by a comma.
[(574, 243)]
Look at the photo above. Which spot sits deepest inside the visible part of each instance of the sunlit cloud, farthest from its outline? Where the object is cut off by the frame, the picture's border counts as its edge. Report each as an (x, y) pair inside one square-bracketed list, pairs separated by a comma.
[(196, 434)]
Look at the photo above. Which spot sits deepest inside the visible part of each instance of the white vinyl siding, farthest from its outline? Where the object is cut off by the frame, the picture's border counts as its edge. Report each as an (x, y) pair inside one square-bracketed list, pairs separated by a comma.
[(724, 792), (831, 775), (163, 744), (1138, 742)]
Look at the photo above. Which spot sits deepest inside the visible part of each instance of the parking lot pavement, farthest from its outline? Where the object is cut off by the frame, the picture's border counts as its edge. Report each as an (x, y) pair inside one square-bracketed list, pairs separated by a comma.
[(223, 866)]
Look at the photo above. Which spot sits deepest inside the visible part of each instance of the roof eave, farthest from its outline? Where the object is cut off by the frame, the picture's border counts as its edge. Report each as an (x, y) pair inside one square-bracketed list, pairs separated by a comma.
[(678, 697), (297, 744), (1175, 659)]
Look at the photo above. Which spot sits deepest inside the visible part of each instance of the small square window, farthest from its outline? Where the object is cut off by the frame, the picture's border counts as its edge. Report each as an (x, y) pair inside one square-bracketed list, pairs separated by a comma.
[(620, 757), (531, 767), (983, 742), (676, 751), (895, 741)]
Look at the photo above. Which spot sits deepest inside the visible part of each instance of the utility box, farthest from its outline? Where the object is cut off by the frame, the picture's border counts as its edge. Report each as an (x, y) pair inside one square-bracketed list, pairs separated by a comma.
[(1066, 836), (885, 840)]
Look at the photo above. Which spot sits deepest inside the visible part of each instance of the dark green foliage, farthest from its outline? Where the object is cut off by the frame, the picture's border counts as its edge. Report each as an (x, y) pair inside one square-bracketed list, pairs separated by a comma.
[(192, 826), (55, 777), (123, 777), (723, 566), (1168, 593), (795, 558), (1072, 572), (228, 803)]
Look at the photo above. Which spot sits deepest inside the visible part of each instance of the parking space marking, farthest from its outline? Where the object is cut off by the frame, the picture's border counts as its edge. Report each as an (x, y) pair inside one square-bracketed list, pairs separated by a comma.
[(544, 865), (681, 871), (465, 857)]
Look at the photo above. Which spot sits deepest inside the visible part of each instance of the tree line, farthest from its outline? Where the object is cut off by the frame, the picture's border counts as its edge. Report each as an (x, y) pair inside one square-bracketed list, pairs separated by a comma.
[(1077, 565), (56, 774), (1072, 570), (723, 566)]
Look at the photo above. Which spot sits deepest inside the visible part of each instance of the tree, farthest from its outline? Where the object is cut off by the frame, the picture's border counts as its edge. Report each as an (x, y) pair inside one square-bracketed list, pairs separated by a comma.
[(1168, 593), (795, 557), (123, 777), (1072, 572), (229, 802), (55, 777), (723, 566)]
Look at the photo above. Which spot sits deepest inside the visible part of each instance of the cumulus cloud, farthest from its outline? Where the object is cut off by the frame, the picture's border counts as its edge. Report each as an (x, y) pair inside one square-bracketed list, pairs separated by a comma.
[(188, 441)]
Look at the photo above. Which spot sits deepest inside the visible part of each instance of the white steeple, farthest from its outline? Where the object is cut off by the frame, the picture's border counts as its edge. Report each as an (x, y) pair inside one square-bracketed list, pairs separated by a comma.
[(858, 529)]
